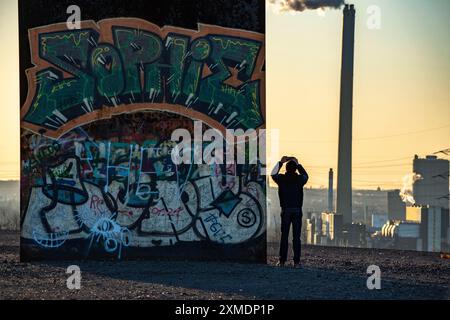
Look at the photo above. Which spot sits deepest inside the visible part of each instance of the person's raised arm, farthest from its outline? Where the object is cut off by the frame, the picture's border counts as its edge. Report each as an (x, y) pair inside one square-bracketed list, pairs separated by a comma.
[(276, 169), (303, 174)]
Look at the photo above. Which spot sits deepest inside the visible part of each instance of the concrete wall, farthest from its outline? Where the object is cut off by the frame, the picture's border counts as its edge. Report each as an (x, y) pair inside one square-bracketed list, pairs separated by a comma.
[(99, 106)]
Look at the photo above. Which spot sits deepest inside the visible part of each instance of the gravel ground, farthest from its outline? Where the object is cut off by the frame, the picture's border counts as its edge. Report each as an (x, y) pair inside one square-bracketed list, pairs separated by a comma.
[(327, 273)]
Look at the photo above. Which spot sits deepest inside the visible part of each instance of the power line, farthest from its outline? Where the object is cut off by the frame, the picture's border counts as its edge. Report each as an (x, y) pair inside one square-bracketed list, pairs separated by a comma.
[(382, 166), (380, 161), (373, 138), (445, 151), (404, 134), (378, 181)]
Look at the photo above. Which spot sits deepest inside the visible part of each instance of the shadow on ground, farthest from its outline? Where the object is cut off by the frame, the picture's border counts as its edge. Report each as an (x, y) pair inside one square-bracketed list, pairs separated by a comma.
[(328, 273), (193, 280)]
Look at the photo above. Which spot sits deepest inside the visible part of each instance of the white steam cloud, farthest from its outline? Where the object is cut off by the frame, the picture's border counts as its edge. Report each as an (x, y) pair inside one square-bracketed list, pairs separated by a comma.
[(406, 192)]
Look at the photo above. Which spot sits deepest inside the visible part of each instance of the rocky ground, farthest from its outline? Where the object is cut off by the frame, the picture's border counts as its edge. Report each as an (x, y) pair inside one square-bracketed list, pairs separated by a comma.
[(327, 273)]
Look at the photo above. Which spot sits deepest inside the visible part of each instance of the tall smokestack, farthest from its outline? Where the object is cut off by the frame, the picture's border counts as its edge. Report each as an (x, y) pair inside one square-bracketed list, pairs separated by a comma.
[(344, 183), (330, 190)]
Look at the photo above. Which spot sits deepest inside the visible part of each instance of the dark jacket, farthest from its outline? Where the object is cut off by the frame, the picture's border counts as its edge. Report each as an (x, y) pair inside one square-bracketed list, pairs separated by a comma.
[(290, 187)]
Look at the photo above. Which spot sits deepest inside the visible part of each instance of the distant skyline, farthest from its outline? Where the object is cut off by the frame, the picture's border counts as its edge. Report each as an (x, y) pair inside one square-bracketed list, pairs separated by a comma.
[(401, 95)]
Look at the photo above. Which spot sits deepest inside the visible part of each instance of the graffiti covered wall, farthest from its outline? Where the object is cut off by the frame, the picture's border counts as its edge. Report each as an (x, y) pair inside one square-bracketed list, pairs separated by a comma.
[(98, 180)]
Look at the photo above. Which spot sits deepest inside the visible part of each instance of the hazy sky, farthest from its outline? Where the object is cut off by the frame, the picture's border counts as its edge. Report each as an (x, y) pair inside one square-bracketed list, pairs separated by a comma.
[(401, 93)]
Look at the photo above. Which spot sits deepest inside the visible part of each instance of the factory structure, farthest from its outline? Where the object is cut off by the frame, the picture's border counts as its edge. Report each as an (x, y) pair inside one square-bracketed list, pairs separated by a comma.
[(336, 227), (396, 207), (426, 228), (425, 224), (422, 225), (387, 219), (432, 187), (344, 173), (330, 190)]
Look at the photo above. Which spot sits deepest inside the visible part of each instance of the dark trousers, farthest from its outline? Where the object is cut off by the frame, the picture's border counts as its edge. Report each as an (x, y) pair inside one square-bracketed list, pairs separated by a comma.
[(288, 218)]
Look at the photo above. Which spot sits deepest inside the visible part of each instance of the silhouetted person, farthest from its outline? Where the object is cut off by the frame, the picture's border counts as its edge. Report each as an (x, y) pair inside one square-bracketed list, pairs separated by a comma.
[(290, 191)]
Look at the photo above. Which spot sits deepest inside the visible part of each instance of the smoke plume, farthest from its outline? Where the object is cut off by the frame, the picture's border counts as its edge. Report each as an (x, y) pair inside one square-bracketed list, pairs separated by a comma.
[(301, 5), (406, 192)]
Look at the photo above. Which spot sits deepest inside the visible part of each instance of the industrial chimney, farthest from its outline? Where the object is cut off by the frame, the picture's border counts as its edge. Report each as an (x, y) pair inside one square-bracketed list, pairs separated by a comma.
[(344, 182), (330, 190)]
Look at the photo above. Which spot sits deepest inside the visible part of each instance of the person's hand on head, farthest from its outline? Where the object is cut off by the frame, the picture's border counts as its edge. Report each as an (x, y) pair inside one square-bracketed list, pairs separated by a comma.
[(284, 159)]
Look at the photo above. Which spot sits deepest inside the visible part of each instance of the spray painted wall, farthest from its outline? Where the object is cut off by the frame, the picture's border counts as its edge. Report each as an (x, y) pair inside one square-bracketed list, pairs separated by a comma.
[(97, 177)]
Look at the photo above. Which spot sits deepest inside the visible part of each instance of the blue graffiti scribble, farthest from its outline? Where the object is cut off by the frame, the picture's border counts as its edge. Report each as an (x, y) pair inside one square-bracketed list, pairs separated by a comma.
[(50, 240), (111, 234)]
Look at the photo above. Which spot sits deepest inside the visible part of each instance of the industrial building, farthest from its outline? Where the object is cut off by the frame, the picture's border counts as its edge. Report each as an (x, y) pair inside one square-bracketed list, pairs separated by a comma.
[(430, 226), (434, 228), (331, 228), (378, 220), (396, 206), (312, 228), (433, 186), (404, 235), (354, 235)]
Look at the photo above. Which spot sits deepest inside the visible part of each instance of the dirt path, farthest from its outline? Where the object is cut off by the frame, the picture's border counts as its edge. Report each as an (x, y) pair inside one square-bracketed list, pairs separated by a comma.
[(328, 273)]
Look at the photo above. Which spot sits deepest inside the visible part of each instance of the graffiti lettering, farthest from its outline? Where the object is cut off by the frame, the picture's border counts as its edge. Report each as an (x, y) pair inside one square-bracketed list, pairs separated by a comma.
[(98, 178), (99, 70)]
